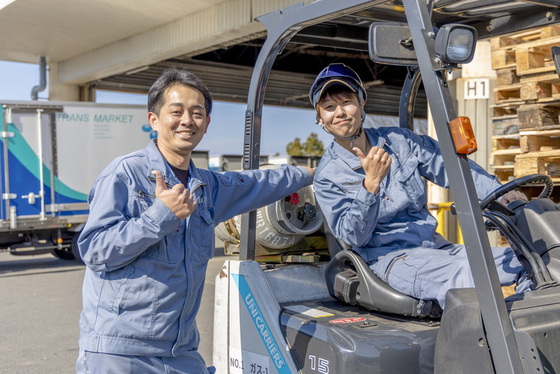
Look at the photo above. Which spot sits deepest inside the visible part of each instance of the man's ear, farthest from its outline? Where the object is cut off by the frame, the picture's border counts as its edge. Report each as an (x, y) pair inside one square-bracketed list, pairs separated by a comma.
[(207, 123), (153, 119), (318, 120)]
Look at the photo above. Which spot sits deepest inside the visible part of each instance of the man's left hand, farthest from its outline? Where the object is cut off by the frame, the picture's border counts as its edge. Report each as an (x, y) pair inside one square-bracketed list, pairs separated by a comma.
[(512, 196)]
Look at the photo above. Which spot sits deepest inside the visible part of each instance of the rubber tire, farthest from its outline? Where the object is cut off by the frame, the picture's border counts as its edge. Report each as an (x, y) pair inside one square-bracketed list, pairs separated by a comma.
[(75, 250), (64, 254)]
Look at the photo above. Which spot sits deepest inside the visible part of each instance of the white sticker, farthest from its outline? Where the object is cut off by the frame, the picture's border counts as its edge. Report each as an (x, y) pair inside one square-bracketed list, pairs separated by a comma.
[(311, 312), (245, 362)]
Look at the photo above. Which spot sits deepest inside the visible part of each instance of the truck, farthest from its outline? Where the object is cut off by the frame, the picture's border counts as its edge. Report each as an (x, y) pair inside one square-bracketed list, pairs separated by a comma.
[(50, 154), (332, 314)]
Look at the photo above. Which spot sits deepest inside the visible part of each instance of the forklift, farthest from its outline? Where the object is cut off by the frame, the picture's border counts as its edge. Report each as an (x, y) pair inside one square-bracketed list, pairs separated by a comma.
[(336, 316)]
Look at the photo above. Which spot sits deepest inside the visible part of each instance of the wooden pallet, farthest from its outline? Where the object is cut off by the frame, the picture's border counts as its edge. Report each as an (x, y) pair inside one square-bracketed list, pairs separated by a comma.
[(505, 109), (505, 157), (540, 91), (542, 87), (535, 57), (505, 125), (503, 59), (533, 47), (539, 116), (505, 148), (506, 76), (504, 174), (537, 141), (527, 96), (503, 142), (524, 37), (547, 163), (551, 78), (507, 94), (535, 91)]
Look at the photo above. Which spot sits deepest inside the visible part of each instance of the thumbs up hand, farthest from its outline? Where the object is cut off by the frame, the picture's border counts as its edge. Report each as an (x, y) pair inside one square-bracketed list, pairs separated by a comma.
[(178, 199), (376, 165)]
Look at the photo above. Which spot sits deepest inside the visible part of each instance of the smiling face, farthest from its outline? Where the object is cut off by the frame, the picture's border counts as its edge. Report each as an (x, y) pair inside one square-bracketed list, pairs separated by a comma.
[(181, 124), (340, 113)]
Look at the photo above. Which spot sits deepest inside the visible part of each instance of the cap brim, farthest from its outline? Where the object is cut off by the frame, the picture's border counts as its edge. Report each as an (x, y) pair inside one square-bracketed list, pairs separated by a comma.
[(332, 82)]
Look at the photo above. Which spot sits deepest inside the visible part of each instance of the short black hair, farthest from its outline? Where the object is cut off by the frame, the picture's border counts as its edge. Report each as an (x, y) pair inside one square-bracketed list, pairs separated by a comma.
[(337, 90), (171, 77)]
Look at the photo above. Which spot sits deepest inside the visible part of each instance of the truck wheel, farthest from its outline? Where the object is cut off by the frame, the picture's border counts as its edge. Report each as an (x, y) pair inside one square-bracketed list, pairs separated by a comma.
[(64, 253), (74, 247)]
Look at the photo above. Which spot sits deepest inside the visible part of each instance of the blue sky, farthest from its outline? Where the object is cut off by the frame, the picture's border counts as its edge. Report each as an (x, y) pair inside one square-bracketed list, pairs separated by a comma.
[(225, 134)]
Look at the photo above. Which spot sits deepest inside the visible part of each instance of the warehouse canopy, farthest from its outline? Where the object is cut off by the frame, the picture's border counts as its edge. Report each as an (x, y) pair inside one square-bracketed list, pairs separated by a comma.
[(124, 45)]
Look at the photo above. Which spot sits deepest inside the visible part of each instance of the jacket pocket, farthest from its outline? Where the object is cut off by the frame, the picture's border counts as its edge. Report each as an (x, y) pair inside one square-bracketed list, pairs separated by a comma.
[(411, 182), (116, 284), (139, 202), (352, 186), (204, 237), (165, 249)]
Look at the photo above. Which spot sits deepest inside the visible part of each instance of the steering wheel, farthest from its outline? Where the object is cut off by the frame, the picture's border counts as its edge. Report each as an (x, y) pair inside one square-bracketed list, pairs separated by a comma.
[(522, 181)]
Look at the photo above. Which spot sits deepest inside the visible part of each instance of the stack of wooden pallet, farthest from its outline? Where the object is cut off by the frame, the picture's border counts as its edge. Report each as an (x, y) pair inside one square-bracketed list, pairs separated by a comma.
[(526, 106)]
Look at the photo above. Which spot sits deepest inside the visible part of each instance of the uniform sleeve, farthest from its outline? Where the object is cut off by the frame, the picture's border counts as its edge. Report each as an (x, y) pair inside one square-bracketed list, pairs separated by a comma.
[(352, 217), (238, 192), (110, 239), (432, 167), (484, 182)]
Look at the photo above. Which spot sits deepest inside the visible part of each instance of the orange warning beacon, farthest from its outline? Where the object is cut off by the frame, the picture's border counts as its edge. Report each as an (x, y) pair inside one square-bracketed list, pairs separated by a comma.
[(463, 135)]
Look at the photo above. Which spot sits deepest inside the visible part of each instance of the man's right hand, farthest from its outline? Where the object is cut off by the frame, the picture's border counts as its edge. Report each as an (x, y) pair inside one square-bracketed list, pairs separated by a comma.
[(376, 165), (178, 199)]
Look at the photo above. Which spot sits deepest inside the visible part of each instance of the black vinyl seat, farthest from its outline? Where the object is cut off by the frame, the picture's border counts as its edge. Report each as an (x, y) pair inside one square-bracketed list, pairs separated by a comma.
[(350, 280)]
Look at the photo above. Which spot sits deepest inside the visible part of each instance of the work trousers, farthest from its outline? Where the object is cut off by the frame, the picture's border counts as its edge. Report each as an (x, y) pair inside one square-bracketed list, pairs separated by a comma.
[(428, 273), (105, 363)]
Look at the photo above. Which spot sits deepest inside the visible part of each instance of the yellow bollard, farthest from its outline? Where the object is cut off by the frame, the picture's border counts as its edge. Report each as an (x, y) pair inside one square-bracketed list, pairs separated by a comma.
[(440, 209)]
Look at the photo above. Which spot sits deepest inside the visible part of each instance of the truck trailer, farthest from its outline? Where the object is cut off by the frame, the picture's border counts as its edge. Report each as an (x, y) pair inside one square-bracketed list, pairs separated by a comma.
[(50, 154)]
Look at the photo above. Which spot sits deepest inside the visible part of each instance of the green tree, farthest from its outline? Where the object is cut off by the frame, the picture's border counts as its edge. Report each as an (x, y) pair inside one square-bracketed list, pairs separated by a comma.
[(295, 148), (312, 147)]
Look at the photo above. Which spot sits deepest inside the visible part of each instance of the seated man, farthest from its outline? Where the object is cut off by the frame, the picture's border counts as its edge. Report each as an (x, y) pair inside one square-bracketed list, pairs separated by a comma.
[(370, 188)]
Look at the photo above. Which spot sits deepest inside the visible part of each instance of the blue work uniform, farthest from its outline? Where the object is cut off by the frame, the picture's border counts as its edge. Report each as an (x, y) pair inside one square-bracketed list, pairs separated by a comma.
[(146, 267), (393, 230)]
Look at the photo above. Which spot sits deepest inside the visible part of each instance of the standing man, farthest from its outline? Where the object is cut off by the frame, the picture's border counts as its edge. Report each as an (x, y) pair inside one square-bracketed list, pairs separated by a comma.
[(150, 234), (370, 188)]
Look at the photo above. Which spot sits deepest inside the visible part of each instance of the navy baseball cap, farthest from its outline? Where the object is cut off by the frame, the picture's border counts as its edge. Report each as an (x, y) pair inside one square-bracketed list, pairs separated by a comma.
[(336, 74)]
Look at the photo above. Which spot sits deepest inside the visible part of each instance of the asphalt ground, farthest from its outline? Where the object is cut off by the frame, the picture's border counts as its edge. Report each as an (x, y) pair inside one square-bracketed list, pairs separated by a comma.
[(40, 305)]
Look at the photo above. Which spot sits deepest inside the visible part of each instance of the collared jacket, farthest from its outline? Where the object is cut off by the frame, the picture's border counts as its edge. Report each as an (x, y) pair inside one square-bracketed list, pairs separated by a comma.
[(397, 217), (145, 267)]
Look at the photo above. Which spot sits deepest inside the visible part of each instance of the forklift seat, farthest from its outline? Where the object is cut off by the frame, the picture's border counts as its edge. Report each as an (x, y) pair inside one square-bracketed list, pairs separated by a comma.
[(350, 280)]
